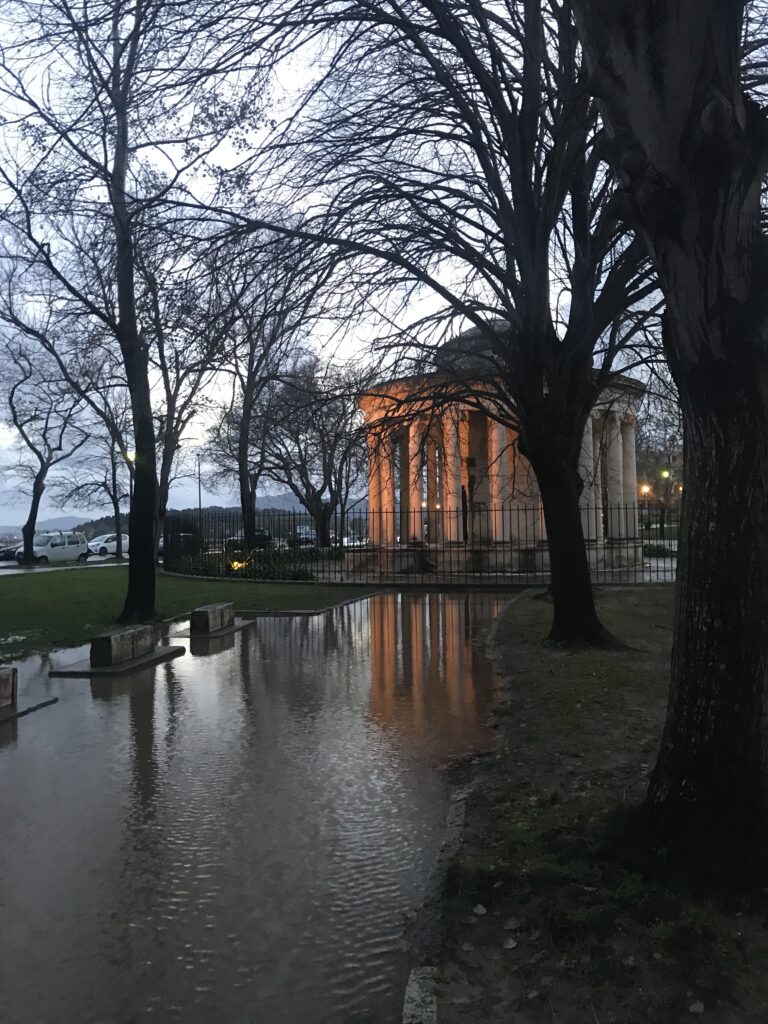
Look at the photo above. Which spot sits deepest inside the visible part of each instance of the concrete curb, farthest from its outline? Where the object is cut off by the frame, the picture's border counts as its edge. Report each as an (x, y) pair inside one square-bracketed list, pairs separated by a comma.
[(420, 1006), (420, 1001)]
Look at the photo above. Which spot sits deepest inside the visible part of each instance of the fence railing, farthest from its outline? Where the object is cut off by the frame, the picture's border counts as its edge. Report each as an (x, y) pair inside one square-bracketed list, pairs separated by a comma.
[(625, 543)]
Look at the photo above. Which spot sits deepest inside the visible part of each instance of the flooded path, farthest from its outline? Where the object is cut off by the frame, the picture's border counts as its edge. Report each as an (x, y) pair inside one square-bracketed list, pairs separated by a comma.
[(236, 835)]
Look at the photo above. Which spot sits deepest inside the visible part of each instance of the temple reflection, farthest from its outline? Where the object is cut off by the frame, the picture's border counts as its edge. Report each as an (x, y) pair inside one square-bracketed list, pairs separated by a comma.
[(428, 662)]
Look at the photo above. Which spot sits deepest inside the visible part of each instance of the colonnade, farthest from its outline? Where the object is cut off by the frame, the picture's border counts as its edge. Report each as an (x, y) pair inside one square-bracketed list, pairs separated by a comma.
[(458, 476), (609, 512)]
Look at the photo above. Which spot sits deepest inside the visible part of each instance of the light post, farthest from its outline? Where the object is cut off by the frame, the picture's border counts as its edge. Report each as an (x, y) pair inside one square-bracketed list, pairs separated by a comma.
[(199, 495)]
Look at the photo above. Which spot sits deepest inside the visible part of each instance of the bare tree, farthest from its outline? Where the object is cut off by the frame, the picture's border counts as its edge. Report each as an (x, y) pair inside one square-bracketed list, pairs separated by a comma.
[(274, 290), (92, 96), (45, 417), (313, 441), (454, 147), (690, 146), (100, 477)]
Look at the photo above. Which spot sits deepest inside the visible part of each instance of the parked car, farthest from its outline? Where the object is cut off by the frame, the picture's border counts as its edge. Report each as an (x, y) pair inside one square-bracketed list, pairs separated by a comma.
[(356, 542), (303, 536), (236, 545), (106, 544), (58, 546), (8, 553)]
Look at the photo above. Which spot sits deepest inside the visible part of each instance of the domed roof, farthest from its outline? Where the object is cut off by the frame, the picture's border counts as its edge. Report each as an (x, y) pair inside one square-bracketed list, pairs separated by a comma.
[(470, 350)]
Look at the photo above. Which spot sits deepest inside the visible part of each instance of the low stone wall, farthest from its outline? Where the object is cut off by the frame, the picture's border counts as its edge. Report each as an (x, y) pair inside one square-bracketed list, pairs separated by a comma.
[(210, 618), (9, 678), (118, 645)]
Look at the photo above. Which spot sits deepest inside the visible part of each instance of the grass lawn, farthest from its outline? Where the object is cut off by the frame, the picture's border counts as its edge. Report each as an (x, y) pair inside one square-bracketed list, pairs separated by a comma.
[(39, 611), (542, 925)]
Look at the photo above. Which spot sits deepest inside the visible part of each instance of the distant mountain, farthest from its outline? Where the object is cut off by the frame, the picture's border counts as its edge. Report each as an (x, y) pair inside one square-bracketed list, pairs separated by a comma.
[(58, 523), (285, 502)]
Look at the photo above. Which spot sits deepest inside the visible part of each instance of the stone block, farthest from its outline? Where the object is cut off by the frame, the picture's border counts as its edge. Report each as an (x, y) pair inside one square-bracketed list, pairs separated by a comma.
[(118, 645), (209, 618), (9, 678), (144, 641)]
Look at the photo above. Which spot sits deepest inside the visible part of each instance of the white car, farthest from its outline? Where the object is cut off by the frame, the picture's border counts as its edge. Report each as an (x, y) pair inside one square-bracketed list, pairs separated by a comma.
[(107, 544), (58, 546)]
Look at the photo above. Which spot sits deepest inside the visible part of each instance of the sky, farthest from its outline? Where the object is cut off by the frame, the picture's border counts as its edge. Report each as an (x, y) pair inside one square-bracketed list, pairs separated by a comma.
[(14, 505)]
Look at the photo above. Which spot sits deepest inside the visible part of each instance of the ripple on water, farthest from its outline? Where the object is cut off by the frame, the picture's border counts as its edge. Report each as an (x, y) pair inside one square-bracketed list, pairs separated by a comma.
[(239, 836)]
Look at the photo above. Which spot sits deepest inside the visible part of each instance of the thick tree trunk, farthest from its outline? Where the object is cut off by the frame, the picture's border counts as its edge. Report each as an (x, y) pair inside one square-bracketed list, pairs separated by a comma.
[(28, 529), (321, 515), (575, 617), (692, 152), (140, 599), (248, 508), (710, 785)]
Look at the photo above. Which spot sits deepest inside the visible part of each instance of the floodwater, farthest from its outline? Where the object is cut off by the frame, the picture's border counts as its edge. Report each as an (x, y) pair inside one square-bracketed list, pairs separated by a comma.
[(237, 835)]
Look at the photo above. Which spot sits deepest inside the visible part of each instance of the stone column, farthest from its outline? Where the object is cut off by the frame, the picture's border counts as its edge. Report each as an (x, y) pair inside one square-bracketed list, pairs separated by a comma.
[(497, 479), (402, 448), (598, 427), (586, 471), (451, 477), (415, 483), (433, 494), (615, 477), (374, 487), (629, 466), (387, 492)]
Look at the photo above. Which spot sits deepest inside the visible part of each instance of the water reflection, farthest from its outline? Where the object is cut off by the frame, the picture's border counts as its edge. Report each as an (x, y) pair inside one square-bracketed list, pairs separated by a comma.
[(237, 836), (205, 646)]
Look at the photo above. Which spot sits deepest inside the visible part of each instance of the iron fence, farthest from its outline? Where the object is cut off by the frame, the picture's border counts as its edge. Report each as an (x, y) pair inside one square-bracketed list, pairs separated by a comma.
[(625, 543)]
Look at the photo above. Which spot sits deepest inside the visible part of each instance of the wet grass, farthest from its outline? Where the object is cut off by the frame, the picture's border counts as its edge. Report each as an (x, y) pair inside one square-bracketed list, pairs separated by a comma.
[(542, 923), (39, 611)]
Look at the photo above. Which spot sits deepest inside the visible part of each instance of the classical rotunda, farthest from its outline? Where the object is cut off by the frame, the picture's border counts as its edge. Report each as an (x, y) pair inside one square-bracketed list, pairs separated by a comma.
[(445, 475)]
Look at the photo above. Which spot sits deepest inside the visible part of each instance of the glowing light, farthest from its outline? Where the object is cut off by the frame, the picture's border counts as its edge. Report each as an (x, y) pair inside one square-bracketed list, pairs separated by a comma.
[(680, 488), (645, 489), (665, 473), (238, 565)]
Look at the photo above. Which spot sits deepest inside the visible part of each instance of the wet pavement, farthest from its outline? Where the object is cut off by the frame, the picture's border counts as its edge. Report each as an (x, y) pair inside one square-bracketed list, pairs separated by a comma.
[(237, 835), (94, 562)]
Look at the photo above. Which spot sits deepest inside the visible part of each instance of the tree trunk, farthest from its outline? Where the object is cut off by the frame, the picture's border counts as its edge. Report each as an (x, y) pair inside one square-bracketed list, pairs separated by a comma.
[(321, 517), (115, 496), (245, 480), (575, 619), (324, 533), (248, 508), (28, 529), (710, 784), (140, 599), (691, 148)]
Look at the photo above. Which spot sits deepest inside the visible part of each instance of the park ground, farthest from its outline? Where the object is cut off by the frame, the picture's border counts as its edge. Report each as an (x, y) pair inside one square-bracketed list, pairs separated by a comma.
[(541, 923), (41, 611)]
